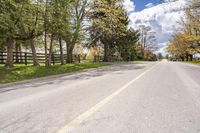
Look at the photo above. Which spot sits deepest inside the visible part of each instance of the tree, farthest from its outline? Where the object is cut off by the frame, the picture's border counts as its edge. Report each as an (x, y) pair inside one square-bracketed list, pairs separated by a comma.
[(160, 56), (179, 47), (78, 13), (30, 26), (58, 24), (126, 44), (28, 22), (10, 22), (9, 13), (148, 40), (187, 43), (108, 23), (19, 21)]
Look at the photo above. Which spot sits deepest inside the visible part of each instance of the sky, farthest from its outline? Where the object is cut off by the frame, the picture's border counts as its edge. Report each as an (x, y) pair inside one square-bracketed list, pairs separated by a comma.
[(162, 18), (141, 4)]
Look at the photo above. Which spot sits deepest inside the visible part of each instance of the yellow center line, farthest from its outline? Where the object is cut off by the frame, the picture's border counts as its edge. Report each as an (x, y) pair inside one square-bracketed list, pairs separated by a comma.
[(78, 120)]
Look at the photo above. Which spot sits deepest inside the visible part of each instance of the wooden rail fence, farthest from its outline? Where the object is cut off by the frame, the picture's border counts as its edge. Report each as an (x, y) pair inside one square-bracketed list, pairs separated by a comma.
[(27, 58)]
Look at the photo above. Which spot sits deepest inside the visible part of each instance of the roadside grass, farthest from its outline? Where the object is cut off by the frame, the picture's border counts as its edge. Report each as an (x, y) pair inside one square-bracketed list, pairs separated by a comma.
[(138, 61), (142, 61), (194, 62), (22, 72)]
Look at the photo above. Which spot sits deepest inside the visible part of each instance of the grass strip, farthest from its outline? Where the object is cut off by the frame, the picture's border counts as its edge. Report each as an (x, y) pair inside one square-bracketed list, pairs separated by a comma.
[(21, 72), (194, 62)]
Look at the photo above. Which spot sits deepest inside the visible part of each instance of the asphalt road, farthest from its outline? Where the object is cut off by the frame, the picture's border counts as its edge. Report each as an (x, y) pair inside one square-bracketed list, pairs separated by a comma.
[(124, 98)]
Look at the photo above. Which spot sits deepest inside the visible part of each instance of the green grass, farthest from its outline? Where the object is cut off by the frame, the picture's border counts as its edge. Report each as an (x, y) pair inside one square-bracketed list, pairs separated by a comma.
[(194, 62), (22, 72), (138, 61)]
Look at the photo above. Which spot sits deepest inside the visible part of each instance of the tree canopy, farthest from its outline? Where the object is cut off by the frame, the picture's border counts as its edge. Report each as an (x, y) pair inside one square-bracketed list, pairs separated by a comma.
[(46, 25), (186, 43)]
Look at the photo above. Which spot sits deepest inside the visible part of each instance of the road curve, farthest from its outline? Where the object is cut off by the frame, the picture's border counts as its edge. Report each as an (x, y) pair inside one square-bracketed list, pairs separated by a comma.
[(148, 97)]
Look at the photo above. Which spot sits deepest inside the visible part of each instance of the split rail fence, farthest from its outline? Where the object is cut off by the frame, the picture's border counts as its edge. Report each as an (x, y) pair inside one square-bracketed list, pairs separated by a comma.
[(27, 58)]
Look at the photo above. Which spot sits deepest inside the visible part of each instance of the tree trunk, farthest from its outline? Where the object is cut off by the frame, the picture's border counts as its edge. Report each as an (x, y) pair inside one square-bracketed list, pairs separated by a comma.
[(45, 49), (191, 57), (45, 33), (187, 57), (50, 50), (106, 55), (79, 58), (17, 52), (9, 61), (182, 58), (34, 54), (1, 57), (61, 52), (69, 54), (20, 53)]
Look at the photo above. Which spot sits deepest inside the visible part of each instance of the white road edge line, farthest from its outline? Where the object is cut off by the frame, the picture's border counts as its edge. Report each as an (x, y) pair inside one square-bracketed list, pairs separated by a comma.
[(78, 120)]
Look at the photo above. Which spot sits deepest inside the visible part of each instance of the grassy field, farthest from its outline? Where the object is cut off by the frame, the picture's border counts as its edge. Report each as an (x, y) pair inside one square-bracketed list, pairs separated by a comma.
[(22, 72)]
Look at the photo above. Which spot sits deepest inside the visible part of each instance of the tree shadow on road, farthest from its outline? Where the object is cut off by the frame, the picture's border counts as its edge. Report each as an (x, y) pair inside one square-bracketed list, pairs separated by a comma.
[(116, 68)]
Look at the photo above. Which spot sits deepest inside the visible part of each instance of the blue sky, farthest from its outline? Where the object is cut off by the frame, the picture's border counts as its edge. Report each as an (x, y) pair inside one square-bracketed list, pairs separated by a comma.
[(140, 4), (162, 18)]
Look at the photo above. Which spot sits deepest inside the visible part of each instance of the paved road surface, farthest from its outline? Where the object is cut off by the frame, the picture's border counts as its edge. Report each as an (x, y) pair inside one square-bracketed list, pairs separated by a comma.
[(125, 98)]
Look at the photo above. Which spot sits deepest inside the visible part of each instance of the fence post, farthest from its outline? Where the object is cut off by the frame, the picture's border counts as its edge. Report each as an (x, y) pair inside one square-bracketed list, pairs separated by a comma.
[(21, 57), (17, 57), (25, 58), (1, 57)]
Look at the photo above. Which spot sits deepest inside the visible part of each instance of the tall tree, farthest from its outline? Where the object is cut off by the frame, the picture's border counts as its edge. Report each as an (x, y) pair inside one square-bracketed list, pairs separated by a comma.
[(148, 40), (126, 44), (30, 26), (108, 23), (78, 13), (187, 43), (19, 21), (58, 24), (9, 14)]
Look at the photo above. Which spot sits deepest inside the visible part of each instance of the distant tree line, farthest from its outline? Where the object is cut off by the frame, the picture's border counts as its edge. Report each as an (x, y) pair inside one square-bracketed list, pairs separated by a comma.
[(185, 44)]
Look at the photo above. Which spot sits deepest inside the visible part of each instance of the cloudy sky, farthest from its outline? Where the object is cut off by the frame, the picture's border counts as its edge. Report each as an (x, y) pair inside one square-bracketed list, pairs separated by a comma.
[(163, 18)]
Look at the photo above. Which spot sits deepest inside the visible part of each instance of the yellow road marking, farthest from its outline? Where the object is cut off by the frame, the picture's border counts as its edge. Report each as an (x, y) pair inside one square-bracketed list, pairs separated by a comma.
[(78, 120)]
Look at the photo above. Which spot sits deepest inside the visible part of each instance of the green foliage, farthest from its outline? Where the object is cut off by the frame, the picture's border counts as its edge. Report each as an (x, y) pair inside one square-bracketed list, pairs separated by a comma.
[(108, 19), (160, 56), (109, 24), (9, 14), (126, 44), (58, 18), (39, 25), (187, 43), (20, 19)]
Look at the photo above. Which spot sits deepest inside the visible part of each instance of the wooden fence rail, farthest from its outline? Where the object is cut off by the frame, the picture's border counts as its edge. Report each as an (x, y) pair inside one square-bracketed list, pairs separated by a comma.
[(27, 58)]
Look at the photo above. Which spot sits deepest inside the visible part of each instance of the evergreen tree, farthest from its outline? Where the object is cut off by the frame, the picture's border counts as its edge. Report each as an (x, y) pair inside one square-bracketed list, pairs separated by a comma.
[(108, 23)]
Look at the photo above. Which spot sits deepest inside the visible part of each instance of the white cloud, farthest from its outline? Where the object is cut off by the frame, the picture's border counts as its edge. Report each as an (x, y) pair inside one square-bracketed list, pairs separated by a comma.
[(163, 19), (149, 5), (129, 6)]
